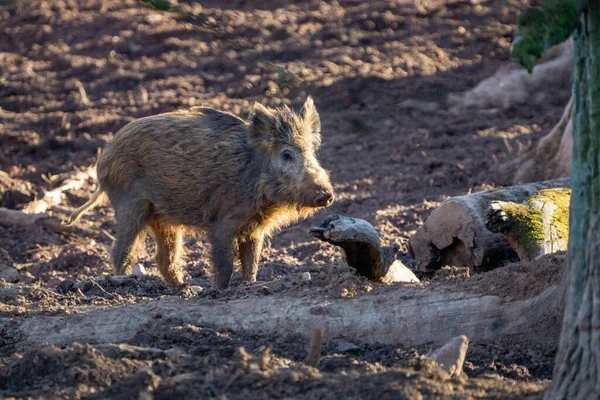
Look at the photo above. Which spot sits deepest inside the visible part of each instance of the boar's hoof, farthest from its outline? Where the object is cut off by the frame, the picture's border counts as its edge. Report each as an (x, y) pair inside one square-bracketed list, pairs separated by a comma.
[(362, 250)]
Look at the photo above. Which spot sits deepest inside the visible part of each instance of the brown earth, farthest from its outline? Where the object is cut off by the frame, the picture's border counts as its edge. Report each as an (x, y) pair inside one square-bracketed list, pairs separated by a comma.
[(74, 72)]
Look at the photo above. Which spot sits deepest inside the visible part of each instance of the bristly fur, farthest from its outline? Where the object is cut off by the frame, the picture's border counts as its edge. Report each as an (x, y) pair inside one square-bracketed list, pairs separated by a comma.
[(208, 169)]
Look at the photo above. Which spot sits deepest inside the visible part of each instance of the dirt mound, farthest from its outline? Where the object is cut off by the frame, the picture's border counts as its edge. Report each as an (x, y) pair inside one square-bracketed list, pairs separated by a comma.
[(520, 280), (76, 369), (170, 360)]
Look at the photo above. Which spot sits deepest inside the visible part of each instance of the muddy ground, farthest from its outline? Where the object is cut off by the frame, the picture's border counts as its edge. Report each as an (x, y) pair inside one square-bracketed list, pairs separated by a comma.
[(74, 72)]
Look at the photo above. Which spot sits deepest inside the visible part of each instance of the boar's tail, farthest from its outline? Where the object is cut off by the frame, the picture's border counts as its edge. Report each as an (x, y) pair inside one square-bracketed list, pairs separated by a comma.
[(98, 196)]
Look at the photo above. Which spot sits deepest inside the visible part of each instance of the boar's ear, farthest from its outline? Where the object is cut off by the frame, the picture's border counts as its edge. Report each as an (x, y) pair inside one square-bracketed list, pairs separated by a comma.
[(262, 119), (262, 126), (313, 121)]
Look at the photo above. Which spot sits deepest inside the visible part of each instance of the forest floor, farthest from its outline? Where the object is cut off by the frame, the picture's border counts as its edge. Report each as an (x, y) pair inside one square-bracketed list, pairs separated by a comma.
[(75, 71)]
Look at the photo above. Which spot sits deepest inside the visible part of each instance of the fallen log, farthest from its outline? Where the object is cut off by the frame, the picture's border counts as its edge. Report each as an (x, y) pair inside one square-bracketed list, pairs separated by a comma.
[(455, 232), (10, 218), (407, 316), (512, 85)]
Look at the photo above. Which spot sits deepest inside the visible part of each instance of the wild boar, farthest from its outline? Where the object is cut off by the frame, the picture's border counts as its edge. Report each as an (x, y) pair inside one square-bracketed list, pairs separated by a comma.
[(203, 169)]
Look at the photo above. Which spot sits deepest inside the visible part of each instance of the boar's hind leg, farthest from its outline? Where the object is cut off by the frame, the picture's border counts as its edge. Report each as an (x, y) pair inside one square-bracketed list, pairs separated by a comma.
[(131, 221), (222, 240), (169, 242), (250, 250)]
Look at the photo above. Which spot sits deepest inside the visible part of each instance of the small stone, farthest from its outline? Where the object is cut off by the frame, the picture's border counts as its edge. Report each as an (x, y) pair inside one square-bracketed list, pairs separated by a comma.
[(399, 272), (344, 346), (196, 289), (305, 276), (451, 356), (139, 271)]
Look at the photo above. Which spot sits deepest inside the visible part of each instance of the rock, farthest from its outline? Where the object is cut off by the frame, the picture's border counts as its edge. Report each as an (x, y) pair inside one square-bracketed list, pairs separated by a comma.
[(139, 271), (344, 346), (451, 356), (305, 276), (196, 289), (8, 272), (399, 272)]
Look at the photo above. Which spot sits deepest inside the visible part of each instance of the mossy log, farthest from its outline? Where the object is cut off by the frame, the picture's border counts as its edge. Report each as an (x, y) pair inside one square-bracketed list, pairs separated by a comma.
[(538, 227), (455, 232)]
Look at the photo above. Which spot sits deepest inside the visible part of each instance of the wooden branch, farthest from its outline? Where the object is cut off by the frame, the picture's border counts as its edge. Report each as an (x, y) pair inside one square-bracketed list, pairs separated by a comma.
[(19, 218), (408, 316), (54, 197), (455, 232), (314, 347), (362, 249)]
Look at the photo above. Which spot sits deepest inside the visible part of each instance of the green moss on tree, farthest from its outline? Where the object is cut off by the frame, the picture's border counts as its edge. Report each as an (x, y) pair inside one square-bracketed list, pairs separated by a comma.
[(539, 225), (526, 225), (560, 218)]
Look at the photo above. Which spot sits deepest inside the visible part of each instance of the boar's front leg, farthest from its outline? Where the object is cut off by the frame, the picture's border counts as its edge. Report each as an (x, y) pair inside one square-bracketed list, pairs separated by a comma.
[(250, 249), (221, 236), (169, 243)]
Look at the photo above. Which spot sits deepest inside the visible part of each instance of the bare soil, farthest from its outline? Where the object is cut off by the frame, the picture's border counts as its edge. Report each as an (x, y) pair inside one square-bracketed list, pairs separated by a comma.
[(75, 72)]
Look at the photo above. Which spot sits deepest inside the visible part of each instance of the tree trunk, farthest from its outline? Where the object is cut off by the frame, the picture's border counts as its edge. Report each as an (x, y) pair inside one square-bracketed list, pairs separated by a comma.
[(577, 368)]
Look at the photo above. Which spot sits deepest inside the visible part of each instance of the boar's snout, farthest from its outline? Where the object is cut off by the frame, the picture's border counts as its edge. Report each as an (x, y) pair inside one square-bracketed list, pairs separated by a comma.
[(324, 198)]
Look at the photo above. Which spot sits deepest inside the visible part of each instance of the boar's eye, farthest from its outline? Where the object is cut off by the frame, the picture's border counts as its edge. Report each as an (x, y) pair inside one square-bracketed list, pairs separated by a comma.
[(287, 155)]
